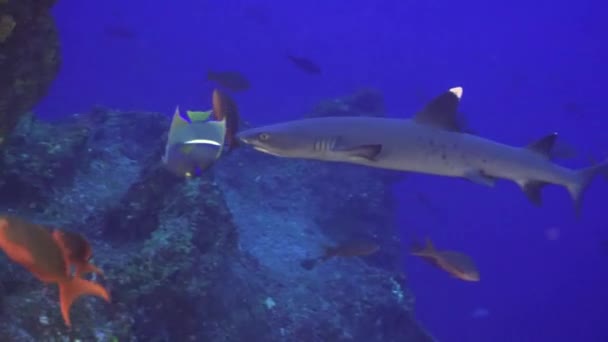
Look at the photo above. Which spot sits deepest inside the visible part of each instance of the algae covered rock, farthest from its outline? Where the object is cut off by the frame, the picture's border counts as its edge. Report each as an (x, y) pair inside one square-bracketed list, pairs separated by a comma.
[(30, 58), (215, 258)]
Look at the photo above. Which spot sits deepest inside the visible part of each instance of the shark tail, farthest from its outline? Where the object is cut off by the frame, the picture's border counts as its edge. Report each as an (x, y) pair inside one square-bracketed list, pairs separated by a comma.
[(582, 180)]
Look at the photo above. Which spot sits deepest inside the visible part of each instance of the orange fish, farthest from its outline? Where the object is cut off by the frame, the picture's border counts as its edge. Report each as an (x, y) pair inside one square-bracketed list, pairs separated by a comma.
[(224, 107), (349, 249), (457, 264), (48, 256), (232, 80), (79, 252)]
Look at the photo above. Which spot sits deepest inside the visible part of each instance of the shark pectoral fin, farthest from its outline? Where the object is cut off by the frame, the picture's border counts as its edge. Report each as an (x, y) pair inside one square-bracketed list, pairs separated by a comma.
[(477, 176), (442, 112), (367, 152), (544, 146), (533, 190)]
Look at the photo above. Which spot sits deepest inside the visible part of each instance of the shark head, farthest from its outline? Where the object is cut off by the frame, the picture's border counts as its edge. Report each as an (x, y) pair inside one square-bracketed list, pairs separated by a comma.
[(286, 139)]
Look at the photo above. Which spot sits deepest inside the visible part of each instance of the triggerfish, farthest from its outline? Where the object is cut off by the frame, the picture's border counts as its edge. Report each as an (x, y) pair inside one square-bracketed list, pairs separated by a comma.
[(349, 249), (48, 255), (196, 141), (457, 264)]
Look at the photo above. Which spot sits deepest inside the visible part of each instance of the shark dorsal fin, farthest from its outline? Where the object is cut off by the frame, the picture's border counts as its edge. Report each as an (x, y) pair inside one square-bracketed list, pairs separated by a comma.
[(544, 145), (442, 111)]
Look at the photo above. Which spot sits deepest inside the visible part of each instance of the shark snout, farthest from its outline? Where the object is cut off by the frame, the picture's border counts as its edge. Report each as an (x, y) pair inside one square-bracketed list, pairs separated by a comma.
[(244, 138)]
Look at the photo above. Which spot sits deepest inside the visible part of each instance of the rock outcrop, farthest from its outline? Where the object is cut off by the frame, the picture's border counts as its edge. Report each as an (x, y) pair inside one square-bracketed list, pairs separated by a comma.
[(215, 258), (30, 57)]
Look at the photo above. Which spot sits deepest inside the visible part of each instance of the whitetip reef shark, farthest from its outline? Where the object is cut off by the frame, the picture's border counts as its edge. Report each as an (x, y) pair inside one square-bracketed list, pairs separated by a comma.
[(433, 142)]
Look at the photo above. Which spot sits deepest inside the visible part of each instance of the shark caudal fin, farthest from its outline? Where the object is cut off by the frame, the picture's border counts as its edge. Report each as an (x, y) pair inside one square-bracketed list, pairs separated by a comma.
[(582, 179)]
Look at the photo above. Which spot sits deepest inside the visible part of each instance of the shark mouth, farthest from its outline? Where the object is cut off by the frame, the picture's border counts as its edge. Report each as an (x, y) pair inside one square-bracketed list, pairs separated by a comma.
[(261, 149)]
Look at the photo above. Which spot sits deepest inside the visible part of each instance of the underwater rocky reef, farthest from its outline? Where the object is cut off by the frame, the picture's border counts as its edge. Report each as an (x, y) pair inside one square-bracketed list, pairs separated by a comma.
[(30, 57), (215, 258)]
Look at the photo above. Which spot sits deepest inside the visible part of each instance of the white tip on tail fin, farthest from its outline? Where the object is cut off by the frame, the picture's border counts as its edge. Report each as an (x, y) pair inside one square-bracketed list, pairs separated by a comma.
[(583, 179)]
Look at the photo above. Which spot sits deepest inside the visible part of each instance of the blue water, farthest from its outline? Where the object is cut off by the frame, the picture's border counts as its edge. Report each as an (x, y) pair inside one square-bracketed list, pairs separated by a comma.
[(528, 69)]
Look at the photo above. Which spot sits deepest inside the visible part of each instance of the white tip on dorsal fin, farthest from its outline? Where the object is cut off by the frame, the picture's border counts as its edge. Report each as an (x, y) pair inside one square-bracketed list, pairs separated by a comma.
[(457, 91), (442, 112)]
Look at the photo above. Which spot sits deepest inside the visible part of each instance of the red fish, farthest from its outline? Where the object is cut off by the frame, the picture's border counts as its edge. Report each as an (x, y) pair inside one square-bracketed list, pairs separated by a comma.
[(459, 265), (79, 252), (48, 256), (225, 108), (349, 249)]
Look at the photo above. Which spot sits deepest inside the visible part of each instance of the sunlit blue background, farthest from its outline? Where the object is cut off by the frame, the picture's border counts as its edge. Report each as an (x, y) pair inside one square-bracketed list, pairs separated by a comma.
[(528, 68)]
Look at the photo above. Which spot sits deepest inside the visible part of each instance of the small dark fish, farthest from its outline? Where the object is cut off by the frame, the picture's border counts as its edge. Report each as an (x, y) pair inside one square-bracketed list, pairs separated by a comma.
[(232, 80), (459, 265), (573, 108), (305, 64), (349, 249), (120, 32)]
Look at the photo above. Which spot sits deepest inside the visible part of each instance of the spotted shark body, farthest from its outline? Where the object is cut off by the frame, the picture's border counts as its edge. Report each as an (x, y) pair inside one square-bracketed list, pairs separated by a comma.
[(432, 142)]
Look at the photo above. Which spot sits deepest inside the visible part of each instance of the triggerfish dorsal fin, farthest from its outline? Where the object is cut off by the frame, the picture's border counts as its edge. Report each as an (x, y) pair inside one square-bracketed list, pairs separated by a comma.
[(544, 146), (442, 111), (224, 108)]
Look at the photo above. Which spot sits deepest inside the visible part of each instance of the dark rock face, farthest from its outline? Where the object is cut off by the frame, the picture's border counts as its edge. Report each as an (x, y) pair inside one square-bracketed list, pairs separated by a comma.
[(210, 259), (30, 57)]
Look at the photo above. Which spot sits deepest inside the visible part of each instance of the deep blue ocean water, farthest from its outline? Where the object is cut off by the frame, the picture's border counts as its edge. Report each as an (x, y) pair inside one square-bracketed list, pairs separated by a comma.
[(527, 68)]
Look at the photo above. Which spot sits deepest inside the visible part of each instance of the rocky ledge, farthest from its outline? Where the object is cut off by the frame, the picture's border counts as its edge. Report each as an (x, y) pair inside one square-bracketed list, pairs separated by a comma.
[(215, 258)]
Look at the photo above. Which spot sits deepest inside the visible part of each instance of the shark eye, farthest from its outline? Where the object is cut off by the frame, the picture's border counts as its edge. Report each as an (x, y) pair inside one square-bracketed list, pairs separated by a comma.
[(264, 136)]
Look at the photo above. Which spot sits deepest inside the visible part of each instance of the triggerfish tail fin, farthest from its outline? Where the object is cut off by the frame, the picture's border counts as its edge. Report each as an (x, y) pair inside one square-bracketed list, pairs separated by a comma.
[(71, 290), (582, 180), (224, 108)]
